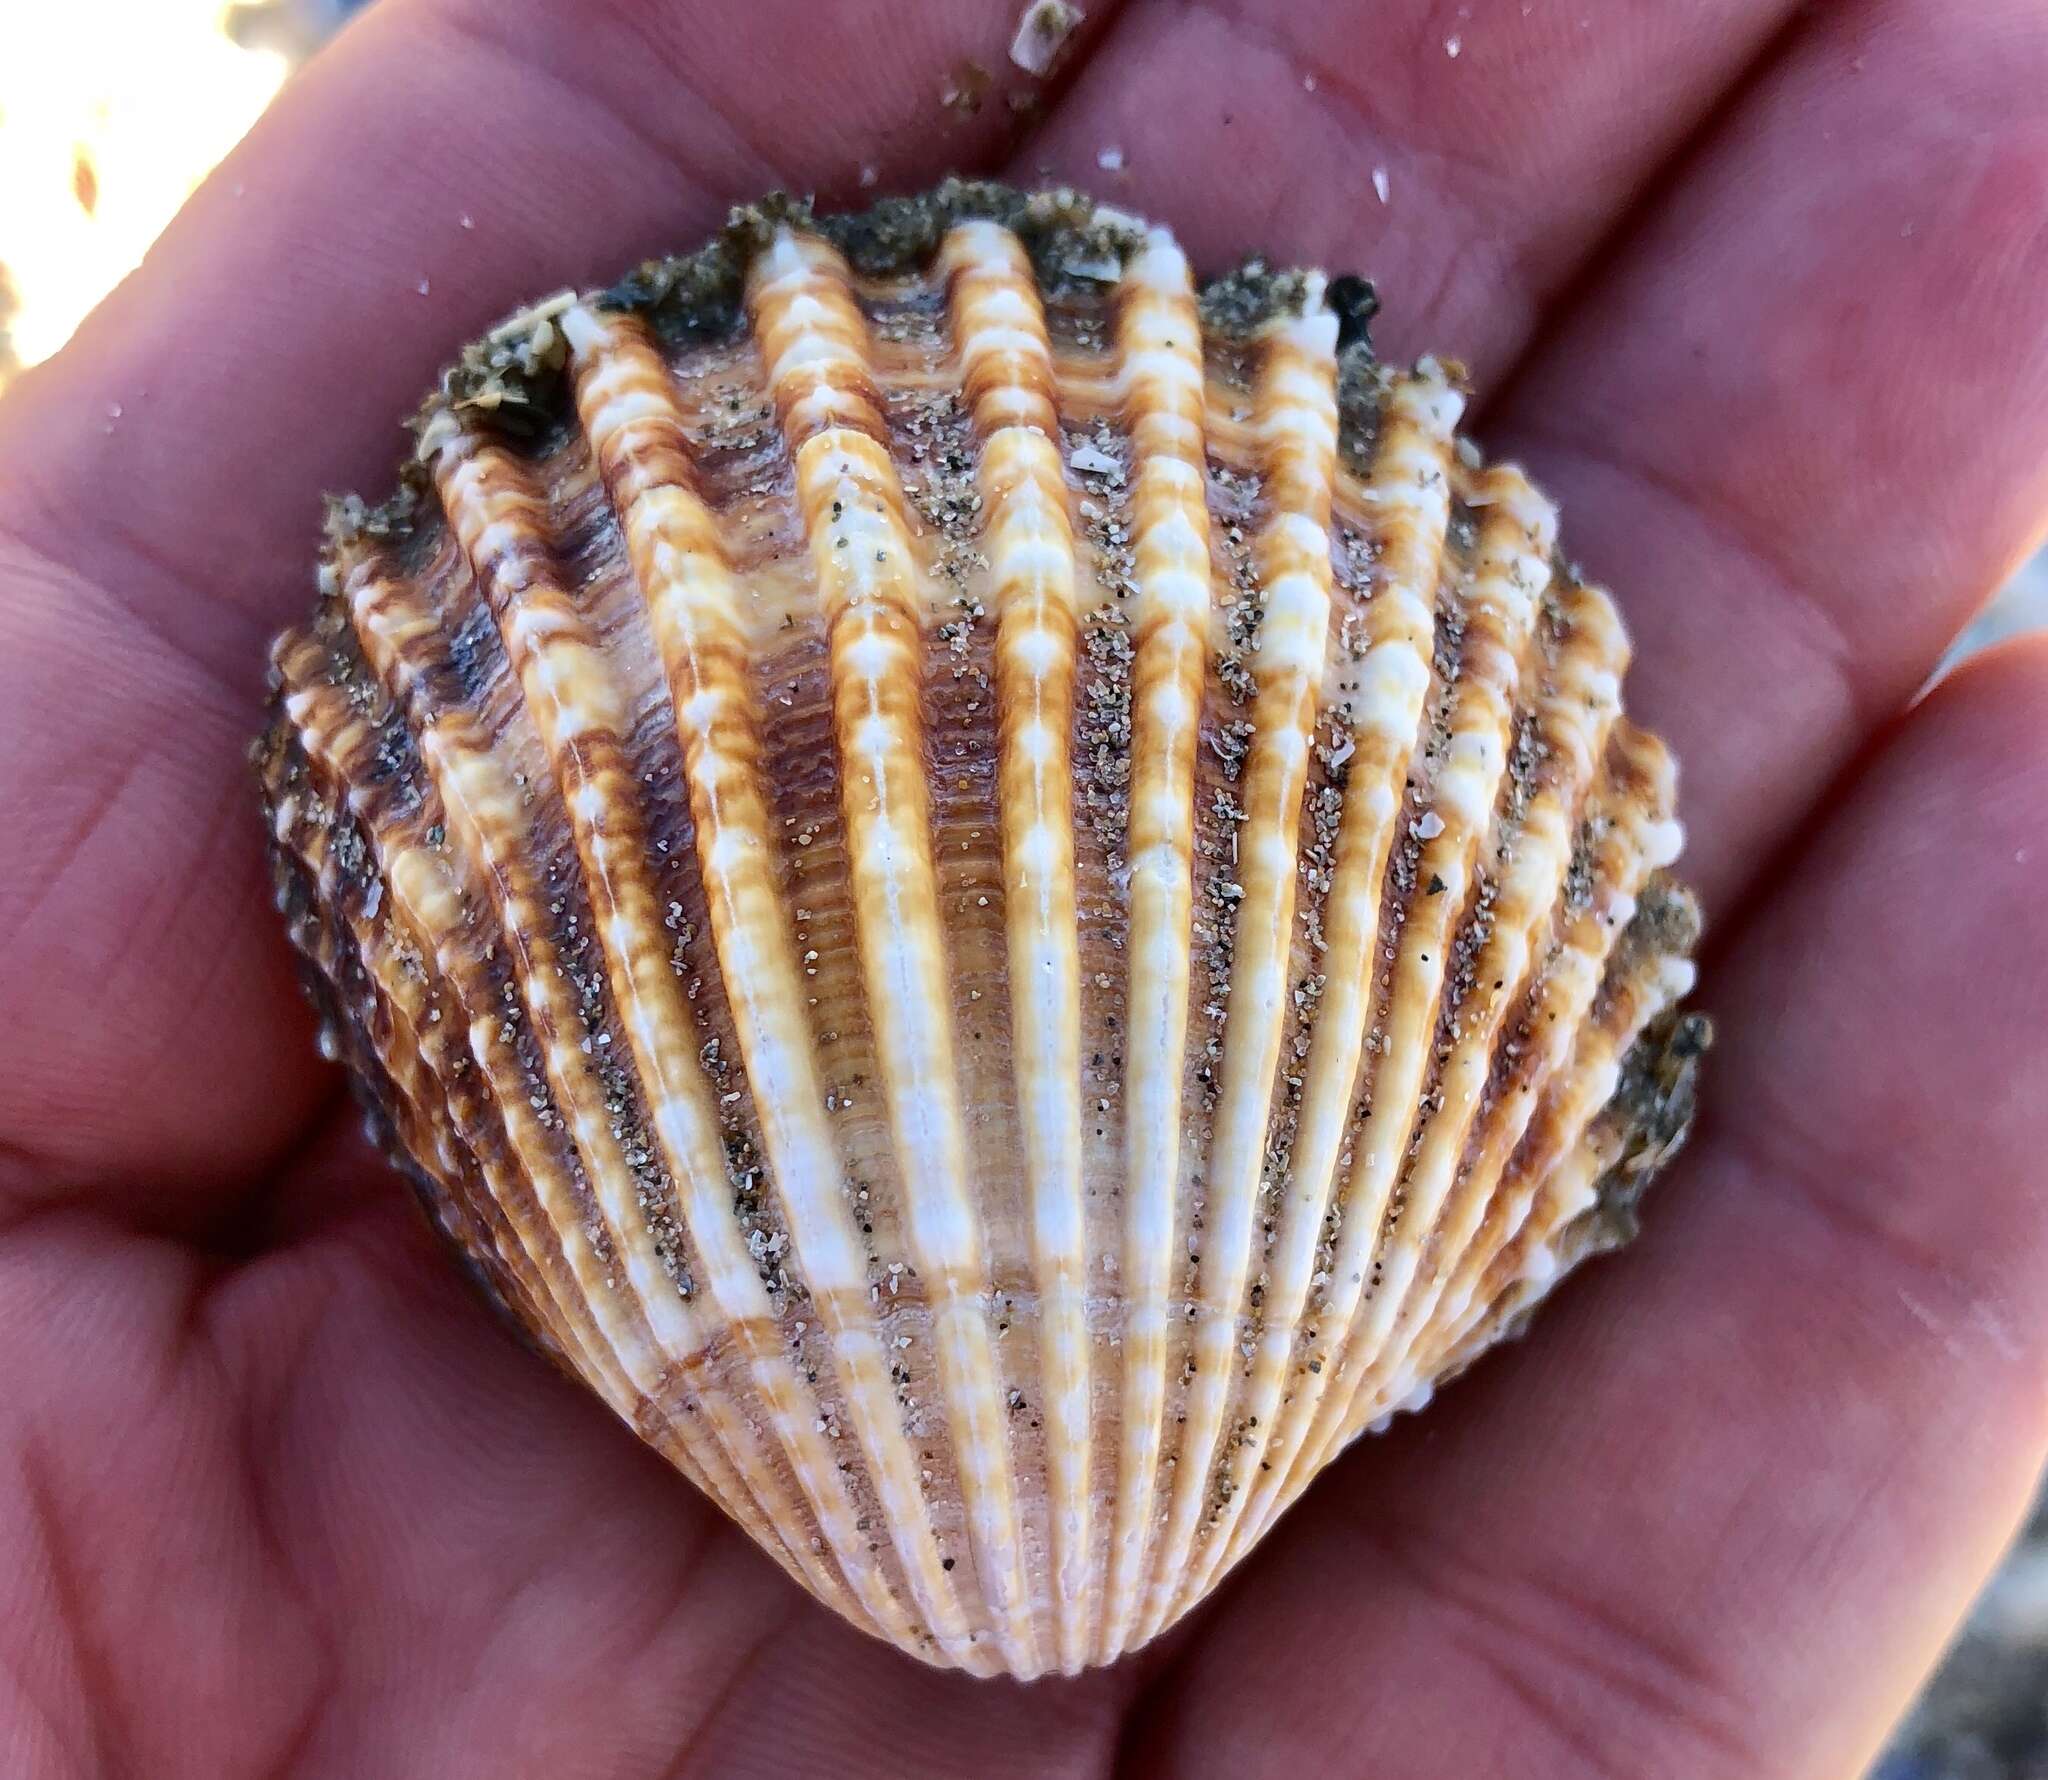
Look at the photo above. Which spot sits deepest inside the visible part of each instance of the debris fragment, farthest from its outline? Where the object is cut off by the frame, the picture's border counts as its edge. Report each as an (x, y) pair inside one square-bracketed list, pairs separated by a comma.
[(1042, 33), (964, 92)]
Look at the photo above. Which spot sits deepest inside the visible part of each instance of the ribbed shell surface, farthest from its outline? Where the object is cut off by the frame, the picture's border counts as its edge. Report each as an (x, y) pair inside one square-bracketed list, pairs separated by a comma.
[(1004, 902)]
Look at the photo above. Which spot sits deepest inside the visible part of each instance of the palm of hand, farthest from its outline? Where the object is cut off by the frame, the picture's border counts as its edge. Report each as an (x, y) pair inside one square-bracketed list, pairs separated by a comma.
[(284, 1500)]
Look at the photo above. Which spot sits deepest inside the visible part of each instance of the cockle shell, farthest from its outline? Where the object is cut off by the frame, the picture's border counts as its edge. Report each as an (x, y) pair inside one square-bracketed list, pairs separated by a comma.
[(1005, 899)]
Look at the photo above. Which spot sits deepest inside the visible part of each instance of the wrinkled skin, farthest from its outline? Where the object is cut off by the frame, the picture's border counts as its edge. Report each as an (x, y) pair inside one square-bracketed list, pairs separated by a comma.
[(1760, 291)]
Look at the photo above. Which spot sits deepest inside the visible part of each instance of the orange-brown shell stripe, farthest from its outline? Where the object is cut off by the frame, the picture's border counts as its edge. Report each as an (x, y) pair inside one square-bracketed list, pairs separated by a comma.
[(814, 344), (1407, 496), (1295, 408), (1576, 714), (1006, 370), (1159, 343), (629, 411), (487, 820)]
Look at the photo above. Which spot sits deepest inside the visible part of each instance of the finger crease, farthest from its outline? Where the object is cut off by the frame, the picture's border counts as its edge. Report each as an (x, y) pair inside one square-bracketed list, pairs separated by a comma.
[(1659, 1678)]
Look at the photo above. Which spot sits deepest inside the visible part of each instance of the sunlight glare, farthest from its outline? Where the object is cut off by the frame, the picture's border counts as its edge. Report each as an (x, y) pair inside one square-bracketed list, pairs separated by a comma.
[(111, 113)]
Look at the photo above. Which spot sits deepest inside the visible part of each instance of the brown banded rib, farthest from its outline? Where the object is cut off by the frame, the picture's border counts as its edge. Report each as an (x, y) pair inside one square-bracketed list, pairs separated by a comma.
[(1617, 962), (566, 694), (1582, 1138), (1160, 377), (1570, 1219), (667, 1419), (1499, 614), (1575, 720), (1569, 727), (1628, 979), (1419, 1108), (1425, 899), (1564, 1224), (451, 1119), (485, 868), (399, 1033), (1575, 714), (1407, 495), (629, 412), (1576, 1033), (1295, 423), (815, 346), (1007, 375), (427, 899), (645, 1400)]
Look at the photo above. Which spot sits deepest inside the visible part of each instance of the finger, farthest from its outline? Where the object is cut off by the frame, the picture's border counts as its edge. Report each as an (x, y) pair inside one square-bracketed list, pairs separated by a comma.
[(152, 1042), (1719, 1512), (1802, 419), (159, 486), (1509, 139)]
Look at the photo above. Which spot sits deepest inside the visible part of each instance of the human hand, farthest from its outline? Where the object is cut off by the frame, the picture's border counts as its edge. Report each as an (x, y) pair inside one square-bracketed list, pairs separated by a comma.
[(1760, 290)]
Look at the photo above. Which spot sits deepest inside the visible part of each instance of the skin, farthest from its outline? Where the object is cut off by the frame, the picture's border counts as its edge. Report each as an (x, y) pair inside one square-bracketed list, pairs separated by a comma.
[(1761, 292)]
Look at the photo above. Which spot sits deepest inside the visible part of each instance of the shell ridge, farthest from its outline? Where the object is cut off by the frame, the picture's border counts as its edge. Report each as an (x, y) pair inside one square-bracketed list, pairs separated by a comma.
[(1406, 494), (852, 500), (1445, 899), (481, 805), (1576, 718), (1588, 969), (1295, 412), (629, 411), (303, 855), (1592, 1127), (1572, 946), (1497, 617), (702, 1460), (1540, 844), (558, 668), (1622, 981), (417, 894), (414, 903), (1104, 763), (1160, 376), (1634, 1136), (1443, 815), (1007, 374)]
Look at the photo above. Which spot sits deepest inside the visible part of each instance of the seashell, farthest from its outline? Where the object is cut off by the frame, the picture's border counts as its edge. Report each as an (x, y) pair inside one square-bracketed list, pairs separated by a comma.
[(1003, 898)]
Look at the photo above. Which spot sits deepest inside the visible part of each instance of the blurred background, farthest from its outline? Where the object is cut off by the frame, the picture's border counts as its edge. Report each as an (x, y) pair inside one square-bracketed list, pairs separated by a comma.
[(112, 111)]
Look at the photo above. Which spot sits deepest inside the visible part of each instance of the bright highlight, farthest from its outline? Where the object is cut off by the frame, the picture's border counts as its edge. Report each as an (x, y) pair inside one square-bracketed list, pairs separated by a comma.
[(111, 112)]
